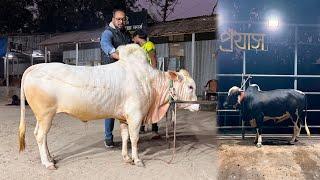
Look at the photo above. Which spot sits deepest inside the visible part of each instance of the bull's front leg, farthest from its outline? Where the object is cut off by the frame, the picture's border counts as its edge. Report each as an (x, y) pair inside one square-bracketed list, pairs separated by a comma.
[(259, 121), (134, 127), (125, 137), (259, 141)]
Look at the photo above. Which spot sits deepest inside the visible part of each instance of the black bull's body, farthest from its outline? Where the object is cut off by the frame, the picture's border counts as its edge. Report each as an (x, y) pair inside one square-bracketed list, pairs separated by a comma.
[(258, 106)]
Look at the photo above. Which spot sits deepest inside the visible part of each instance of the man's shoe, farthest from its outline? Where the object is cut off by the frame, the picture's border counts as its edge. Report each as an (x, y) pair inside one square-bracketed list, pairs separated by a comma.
[(142, 130), (155, 135), (108, 143)]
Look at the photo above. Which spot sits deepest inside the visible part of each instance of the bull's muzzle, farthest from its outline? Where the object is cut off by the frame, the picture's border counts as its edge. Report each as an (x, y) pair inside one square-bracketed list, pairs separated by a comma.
[(225, 104), (193, 107)]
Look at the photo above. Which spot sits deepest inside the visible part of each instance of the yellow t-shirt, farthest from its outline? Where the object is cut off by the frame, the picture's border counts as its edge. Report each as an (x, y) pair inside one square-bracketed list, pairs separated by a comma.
[(149, 47)]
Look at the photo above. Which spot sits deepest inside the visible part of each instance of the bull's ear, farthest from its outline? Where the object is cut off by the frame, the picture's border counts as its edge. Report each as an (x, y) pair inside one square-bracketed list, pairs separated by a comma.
[(184, 72), (175, 76)]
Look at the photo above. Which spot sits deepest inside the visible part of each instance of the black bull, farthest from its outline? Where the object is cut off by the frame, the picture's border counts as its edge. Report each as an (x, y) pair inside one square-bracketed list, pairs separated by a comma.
[(258, 106)]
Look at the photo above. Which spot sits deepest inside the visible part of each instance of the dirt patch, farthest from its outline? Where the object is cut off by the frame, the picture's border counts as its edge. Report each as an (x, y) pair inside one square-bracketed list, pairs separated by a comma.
[(240, 159), (307, 164)]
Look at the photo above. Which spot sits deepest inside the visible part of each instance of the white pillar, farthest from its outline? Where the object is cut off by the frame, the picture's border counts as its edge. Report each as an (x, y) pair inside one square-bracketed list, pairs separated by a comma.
[(193, 45), (6, 70), (49, 56), (296, 57), (244, 88), (244, 63), (5, 66), (243, 77), (45, 54), (77, 54)]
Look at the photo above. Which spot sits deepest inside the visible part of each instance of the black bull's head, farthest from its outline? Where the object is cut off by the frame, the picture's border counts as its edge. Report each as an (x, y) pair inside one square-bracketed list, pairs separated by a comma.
[(233, 98)]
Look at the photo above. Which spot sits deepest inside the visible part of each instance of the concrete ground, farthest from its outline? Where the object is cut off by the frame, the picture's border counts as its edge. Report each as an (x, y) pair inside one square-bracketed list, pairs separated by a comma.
[(80, 153)]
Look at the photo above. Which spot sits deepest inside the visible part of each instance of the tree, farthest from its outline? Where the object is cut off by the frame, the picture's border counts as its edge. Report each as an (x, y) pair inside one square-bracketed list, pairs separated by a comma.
[(166, 7), (214, 7), (73, 15), (57, 15), (15, 16)]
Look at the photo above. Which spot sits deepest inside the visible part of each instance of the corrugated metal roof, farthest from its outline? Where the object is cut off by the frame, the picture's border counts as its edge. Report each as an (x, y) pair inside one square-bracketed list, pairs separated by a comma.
[(180, 26), (74, 37), (185, 26)]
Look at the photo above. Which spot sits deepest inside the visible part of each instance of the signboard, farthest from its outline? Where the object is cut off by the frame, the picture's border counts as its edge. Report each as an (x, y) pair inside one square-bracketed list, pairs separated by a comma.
[(244, 41), (136, 20)]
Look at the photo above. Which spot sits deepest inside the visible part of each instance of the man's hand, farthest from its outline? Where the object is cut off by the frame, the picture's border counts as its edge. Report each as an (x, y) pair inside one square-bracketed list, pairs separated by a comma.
[(115, 55)]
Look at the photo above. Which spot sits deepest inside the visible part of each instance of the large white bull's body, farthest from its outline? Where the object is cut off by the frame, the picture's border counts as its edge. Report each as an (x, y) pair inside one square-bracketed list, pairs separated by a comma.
[(129, 90)]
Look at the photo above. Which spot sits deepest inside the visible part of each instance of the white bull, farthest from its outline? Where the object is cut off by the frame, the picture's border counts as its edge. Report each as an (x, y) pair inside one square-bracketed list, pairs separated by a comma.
[(129, 90)]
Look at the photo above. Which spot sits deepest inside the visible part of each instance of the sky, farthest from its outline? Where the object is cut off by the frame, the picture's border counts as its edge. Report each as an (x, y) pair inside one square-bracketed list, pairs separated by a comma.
[(185, 8), (290, 11)]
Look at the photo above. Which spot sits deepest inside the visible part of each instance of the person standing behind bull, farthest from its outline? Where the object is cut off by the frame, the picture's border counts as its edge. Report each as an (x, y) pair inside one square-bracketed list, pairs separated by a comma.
[(114, 35), (140, 37)]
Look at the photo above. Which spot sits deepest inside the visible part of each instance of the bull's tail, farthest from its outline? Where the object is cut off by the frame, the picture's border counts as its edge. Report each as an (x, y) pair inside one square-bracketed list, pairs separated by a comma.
[(305, 117), (22, 126)]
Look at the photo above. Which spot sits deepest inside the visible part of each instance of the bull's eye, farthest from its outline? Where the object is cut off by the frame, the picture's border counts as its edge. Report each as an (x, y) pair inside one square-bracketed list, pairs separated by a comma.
[(191, 87)]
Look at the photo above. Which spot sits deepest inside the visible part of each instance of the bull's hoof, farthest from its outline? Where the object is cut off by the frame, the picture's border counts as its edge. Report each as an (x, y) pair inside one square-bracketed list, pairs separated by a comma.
[(258, 145), (139, 163), (52, 167), (52, 160), (296, 140), (128, 161), (292, 142)]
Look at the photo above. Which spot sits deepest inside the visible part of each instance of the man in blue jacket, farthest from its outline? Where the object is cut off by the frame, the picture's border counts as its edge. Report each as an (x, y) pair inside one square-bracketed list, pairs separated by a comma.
[(114, 35)]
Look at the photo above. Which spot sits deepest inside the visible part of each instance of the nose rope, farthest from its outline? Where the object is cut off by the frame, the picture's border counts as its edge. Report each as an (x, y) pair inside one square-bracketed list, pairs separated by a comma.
[(244, 83), (172, 92)]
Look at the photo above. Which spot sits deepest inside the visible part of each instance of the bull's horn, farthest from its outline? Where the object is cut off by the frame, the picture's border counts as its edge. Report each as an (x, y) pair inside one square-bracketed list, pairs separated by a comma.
[(233, 89)]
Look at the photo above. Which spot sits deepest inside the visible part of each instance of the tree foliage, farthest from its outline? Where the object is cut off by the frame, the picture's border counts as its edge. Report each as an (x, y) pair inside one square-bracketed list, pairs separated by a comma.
[(57, 15), (72, 15), (14, 16)]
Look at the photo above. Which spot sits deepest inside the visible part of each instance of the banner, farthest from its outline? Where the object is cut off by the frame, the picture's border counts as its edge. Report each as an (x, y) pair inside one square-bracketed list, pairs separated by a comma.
[(3, 46)]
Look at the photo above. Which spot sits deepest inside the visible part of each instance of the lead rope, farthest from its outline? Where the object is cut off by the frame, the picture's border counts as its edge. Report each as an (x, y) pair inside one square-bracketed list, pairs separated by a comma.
[(172, 98), (169, 110), (174, 113)]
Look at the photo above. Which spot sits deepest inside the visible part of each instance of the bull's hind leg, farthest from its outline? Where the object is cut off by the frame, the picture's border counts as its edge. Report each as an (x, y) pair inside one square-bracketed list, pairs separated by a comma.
[(41, 131), (134, 127), (299, 130), (296, 129), (125, 137), (300, 118), (35, 134)]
